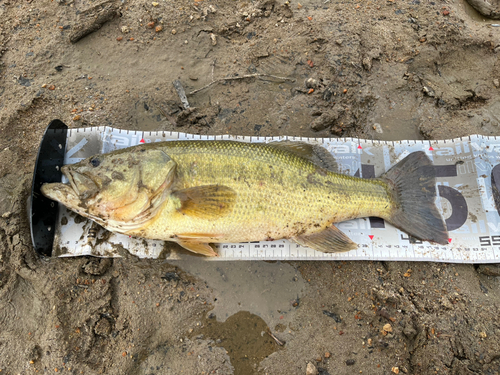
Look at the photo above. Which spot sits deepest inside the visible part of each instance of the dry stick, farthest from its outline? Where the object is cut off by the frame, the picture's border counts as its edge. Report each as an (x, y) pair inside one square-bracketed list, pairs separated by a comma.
[(91, 24), (95, 6), (277, 340), (241, 77), (213, 68)]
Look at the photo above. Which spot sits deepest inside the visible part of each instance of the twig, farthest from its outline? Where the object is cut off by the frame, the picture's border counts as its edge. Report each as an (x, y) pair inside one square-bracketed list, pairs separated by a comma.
[(241, 77), (94, 7), (278, 341), (91, 24), (213, 68), (161, 111)]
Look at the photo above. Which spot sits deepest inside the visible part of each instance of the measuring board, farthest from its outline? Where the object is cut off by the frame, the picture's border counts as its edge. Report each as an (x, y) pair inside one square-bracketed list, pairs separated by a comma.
[(468, 184)]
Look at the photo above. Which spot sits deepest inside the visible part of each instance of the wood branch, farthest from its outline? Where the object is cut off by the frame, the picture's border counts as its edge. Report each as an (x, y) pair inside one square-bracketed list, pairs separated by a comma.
[(256, 75)]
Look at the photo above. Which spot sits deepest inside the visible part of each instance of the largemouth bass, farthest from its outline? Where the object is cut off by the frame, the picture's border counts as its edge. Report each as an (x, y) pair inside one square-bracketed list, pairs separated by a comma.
[(200, 192)]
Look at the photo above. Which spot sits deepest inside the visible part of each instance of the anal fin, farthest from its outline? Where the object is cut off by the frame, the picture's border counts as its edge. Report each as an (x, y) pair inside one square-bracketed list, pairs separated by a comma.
[(202, 248), (329, 240)]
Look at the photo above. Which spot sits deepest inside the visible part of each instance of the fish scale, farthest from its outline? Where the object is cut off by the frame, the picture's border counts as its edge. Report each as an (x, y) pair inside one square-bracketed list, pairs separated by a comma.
[(275, 197)]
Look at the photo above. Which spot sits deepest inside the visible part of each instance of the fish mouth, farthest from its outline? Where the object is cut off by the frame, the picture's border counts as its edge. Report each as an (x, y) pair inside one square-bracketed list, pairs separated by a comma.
[(66, 195), (62, 193), (82, 185)]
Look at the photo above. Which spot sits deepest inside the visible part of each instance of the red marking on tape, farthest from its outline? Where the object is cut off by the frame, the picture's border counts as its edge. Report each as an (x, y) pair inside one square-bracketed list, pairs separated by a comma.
[(449, 240), (371, 236), (431, 149), (360, 146), (142, 141)]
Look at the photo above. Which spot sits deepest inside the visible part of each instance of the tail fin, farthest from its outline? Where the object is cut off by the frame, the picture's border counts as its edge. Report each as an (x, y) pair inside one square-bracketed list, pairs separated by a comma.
[(413, 181)]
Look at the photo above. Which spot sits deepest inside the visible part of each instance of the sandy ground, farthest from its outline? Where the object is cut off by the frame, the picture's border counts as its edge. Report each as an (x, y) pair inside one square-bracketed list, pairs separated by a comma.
[(420, 69)]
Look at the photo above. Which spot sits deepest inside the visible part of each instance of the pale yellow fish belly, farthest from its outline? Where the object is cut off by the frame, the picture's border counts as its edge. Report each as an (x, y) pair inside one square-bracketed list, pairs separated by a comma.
[(278, 195)]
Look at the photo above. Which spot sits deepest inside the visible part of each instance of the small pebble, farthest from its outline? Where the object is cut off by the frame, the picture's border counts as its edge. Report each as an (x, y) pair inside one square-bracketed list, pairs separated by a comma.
[(52, 87), (155, 4), (311, 83), (311, 369), (350, 362), (387, 328), (77, 118), (119, 38), (213, 38), (367, 63), (378, 128), (496, 82), (395, 370), (174, 31), (327, 355), (159, 28), (125, 29)]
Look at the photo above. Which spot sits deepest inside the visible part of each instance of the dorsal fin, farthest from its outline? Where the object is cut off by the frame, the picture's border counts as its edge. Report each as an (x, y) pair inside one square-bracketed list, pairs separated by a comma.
[(314, 153)]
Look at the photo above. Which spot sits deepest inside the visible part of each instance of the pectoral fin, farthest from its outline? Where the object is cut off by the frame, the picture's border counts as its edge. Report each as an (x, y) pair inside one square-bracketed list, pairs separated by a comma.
[(329, 240), (198, 248), (206, 202)]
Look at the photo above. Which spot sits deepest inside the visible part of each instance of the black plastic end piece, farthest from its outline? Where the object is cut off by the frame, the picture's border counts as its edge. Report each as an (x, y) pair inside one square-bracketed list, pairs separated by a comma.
[(43, 211)]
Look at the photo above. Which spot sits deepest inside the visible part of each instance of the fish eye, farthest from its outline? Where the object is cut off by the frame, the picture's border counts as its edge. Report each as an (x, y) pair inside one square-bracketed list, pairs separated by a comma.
[(95, 162)]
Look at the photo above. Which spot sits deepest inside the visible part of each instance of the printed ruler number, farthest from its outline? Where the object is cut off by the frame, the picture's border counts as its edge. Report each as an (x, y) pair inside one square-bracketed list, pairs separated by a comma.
[(489, 240)]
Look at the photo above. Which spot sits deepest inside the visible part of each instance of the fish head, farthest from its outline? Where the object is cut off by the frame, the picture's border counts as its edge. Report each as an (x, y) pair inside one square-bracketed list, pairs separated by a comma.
[(122, 186)]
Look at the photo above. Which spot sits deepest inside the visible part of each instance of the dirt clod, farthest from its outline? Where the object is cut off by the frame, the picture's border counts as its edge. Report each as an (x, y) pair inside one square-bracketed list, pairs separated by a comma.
[(489, 269), (103, 327)]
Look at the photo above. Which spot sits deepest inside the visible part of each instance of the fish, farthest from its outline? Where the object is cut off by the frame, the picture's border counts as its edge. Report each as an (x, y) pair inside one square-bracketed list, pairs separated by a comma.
[(198, 193)]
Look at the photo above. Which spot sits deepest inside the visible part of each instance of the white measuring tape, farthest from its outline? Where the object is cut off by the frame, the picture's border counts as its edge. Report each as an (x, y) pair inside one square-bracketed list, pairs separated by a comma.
[(465, 167)]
